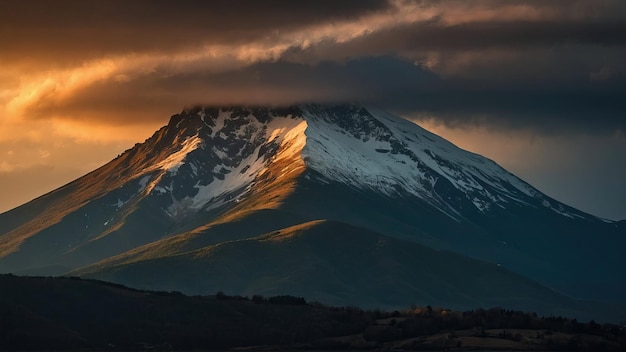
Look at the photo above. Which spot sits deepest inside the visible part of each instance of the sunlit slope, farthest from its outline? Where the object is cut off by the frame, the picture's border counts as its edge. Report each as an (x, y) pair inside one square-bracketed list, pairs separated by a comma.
[(180, 179)]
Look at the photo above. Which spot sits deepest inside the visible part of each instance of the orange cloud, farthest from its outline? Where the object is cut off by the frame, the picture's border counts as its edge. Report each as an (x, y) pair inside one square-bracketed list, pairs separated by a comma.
[(81, 132), (41, 93)]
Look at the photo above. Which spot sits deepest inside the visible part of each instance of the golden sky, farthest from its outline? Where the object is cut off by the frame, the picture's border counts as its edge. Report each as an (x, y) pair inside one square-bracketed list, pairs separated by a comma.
[(537, 86)]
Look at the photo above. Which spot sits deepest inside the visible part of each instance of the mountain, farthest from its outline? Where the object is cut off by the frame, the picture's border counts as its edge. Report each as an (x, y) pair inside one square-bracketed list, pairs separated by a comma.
[(205, 193)]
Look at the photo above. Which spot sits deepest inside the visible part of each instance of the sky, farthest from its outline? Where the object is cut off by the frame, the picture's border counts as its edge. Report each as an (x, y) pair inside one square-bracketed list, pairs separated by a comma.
[(537, 86)]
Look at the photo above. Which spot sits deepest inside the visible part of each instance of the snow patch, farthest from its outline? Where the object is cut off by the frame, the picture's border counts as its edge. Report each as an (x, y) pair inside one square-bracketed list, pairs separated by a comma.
[(120, 203), (143, 182), (176, 159)]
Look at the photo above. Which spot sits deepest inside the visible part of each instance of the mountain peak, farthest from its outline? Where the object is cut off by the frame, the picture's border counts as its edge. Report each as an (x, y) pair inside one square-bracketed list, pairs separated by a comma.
[(209, 113), (362, 147)]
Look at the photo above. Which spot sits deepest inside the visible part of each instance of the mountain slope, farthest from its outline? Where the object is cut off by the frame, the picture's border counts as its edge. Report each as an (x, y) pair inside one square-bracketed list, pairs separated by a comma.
[(339, 264), (144, 194)]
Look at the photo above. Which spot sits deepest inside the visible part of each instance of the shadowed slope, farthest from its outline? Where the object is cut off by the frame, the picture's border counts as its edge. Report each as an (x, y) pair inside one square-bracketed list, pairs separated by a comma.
[(339, 264)]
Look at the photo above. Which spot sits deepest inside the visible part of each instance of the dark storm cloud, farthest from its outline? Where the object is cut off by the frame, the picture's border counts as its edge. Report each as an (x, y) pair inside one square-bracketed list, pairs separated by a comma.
[(549, 65), (567, 9), (484, 35), (75, 30), (559, 106), (509, 50), (280, 82), (583, 110), (63, 29)]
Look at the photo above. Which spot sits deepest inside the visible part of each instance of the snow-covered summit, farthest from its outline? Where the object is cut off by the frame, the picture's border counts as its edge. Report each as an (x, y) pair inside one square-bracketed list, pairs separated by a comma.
[(218, 155)]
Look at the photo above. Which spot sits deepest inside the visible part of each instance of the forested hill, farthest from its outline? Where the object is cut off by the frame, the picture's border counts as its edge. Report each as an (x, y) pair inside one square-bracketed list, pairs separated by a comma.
[(70, 313)]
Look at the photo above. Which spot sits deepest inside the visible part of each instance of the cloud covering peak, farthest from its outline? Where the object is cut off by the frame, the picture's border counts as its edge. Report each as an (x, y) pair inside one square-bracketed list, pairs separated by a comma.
[(99, 71)]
